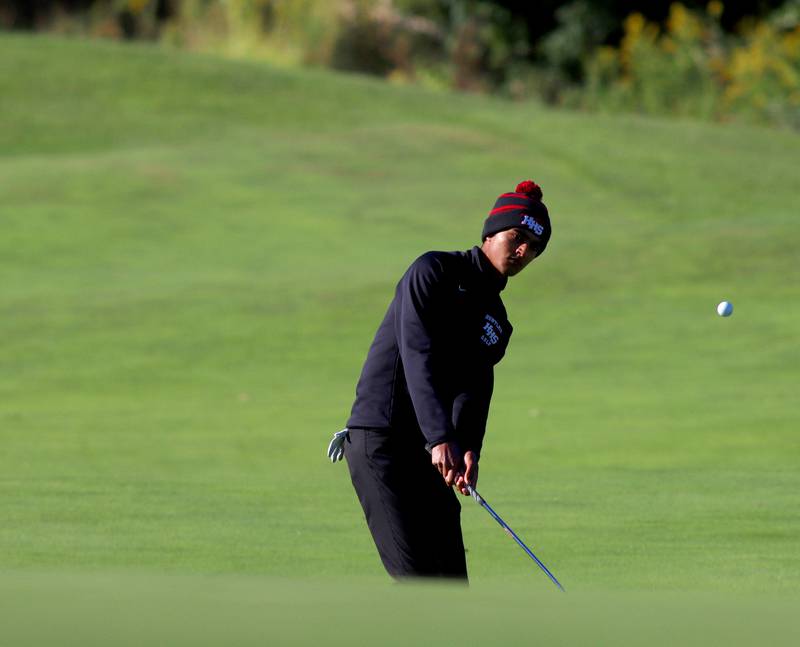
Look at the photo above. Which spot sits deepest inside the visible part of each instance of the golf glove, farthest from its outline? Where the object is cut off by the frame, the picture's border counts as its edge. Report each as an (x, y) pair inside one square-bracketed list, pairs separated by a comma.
[(336, 447)]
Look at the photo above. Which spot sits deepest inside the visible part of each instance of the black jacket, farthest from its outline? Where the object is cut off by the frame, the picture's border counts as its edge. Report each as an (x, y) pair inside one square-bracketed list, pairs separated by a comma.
[(431, 363)]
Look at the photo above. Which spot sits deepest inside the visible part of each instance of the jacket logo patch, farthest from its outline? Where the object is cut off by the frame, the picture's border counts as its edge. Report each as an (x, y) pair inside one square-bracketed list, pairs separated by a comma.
[(491, 331), (530, 223)]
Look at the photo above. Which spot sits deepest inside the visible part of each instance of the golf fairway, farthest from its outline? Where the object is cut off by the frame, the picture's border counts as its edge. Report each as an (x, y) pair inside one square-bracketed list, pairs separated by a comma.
[(195, 255)]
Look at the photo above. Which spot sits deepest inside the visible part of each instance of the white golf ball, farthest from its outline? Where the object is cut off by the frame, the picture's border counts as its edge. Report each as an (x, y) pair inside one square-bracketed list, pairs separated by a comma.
[(725, 309)]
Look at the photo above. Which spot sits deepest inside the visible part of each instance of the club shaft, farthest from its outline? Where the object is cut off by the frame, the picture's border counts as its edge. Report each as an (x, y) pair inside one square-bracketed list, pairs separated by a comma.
[(505, 527)]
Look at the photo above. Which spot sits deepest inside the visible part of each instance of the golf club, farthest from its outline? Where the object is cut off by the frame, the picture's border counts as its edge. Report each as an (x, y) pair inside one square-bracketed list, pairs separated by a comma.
[(474, 493)]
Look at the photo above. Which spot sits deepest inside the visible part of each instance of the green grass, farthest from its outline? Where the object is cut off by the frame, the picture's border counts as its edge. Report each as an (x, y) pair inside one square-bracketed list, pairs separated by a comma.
[(196, 253), (109, 608)]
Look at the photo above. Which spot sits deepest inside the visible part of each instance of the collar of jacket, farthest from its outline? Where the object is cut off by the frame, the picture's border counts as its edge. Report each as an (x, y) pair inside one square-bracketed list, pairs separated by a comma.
[(490, 278)]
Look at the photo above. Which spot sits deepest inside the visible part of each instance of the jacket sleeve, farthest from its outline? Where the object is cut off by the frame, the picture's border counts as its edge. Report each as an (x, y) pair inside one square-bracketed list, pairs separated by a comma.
[(420, 336), (471, 409)]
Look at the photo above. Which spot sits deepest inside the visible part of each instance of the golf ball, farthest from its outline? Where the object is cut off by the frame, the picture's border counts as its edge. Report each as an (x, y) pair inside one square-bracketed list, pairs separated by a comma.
[(725, 309)]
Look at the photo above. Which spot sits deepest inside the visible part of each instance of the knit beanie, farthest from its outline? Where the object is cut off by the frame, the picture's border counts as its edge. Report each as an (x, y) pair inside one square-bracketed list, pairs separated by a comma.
[(522, 209)]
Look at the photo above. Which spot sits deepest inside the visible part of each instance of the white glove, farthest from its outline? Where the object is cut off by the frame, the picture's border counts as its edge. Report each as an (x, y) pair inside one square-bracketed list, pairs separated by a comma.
[(336, 448)]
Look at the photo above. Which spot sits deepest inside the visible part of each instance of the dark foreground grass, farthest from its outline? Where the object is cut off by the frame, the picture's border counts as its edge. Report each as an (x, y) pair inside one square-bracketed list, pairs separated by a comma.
[(135, 610), (195, 254)]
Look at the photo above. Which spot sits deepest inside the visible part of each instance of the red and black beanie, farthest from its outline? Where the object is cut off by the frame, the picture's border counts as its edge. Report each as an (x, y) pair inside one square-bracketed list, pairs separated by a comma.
[(522, 209)]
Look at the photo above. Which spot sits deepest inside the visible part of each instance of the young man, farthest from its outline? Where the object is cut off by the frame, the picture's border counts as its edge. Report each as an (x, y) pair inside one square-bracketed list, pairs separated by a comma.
[(417, 424)]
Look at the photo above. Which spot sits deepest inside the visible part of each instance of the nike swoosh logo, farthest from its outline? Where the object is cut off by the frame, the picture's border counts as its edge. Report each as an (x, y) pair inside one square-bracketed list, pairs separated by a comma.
[(460, 289)]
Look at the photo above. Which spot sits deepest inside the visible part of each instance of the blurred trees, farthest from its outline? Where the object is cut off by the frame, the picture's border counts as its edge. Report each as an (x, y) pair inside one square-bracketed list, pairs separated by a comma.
[(694, 58), (112, 18)]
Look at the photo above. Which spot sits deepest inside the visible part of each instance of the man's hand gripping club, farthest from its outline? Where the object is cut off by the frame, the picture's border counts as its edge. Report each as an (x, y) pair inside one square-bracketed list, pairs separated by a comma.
[(456, 468)]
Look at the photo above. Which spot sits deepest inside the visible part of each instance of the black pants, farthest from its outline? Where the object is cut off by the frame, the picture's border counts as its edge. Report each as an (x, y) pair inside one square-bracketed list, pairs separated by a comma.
[(413, 516)]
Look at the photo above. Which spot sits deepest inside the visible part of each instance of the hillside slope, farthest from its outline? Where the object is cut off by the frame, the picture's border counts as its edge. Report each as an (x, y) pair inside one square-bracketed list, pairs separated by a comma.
[(196, 252)]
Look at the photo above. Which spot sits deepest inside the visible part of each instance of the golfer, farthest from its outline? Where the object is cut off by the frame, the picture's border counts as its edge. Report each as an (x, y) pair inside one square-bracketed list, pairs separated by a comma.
[(417, 425)]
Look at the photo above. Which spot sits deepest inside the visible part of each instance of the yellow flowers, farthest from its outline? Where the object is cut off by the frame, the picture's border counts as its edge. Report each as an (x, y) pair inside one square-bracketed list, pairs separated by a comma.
[(682, 22), (691, 67), (714, 9), (137, 6), (764, 74), (638, 33)]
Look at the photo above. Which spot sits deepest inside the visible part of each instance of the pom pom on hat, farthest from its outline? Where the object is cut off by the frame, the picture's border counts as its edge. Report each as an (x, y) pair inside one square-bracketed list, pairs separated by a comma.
[(531, 188)]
